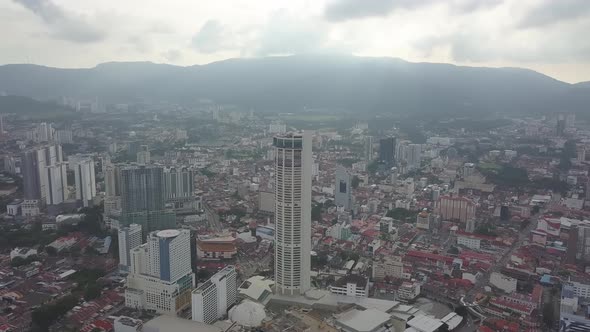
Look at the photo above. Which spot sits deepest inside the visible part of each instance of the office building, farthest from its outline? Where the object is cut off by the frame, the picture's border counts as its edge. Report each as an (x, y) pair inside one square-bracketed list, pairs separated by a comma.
[(212, 299), (130, 237), (161, 276), (293, 159), (142, 198), (143, 156), (387, 150), (343, 188), (455, 208), (84, 178)]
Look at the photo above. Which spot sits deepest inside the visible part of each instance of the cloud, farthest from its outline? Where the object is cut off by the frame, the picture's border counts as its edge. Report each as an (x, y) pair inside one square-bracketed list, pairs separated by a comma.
[(210, 38), (342, 10), (172, 55), (288, 34), (63, 24), (469, 6), (550, 12)]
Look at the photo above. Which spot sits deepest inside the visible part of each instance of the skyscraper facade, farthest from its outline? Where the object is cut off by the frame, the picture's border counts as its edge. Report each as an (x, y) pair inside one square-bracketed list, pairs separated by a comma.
[(369, 149), (211, 299), (387, 150), (343, 188), (84, 179), (161, 276), (293, 160), (179, 187), (142, 198), (44, 175)]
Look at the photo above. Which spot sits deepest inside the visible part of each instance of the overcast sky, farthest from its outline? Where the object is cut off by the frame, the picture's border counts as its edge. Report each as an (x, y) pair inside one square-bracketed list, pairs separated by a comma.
[(550, 36)]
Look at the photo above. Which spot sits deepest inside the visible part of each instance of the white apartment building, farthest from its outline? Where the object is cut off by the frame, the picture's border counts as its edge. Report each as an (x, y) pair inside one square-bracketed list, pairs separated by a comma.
[(129, 239), (85, 178), (293, 160), (212, 299)]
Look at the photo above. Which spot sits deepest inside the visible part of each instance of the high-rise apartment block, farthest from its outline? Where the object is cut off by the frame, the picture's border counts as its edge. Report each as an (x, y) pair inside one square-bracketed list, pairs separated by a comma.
[(161, 276), (130, 237), (293, 160), (84, 178), (212, 299), (44, 175)]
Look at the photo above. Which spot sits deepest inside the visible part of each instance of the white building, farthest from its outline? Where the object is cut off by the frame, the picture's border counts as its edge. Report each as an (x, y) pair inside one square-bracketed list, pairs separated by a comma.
[(351, 285), (161, 277), (129, 239), (212, 299), (505, 283), (408, 291), (293, 159), (85, 179), (469, 241), (389, 267)]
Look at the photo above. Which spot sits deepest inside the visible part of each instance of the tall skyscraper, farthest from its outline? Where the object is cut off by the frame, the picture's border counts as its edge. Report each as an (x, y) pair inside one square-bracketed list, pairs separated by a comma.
[(343, 188), (387, 150), (161, 276), (129, 239), (84, 177), (414, 155), (369, 149), (560, 128), (44, 175), (293, 159), (211, 299), (142, 198), (112, 199)]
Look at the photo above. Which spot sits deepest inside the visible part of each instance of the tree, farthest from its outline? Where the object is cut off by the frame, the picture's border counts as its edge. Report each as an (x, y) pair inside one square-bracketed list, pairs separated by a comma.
[(316, 212), (51, 251), (355, 182), (92, 291)]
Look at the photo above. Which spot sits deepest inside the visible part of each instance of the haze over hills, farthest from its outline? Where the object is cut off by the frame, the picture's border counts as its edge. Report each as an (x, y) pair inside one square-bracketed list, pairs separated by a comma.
[(292, 83)]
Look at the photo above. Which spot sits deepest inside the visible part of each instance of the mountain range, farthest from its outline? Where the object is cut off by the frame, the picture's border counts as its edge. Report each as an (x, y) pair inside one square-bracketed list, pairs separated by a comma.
[(292, 83)]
